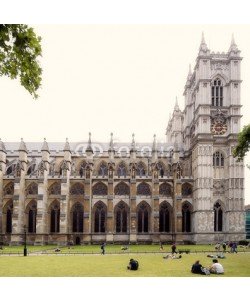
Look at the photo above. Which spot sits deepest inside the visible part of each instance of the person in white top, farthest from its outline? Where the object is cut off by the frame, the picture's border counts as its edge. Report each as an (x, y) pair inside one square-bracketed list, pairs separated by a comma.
[(216, 267)]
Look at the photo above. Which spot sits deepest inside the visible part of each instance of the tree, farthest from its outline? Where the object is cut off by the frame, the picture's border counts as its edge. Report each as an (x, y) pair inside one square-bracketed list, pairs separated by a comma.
[(19, 50), (243, 143)]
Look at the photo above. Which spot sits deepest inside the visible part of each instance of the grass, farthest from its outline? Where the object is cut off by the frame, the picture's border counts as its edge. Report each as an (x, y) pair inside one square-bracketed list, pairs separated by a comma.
[(114, 265)]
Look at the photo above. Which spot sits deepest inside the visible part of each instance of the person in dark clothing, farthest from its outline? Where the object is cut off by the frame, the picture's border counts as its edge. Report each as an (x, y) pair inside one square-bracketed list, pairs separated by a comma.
[(198, 269), (173, 249), (103, 248), (133, 264)]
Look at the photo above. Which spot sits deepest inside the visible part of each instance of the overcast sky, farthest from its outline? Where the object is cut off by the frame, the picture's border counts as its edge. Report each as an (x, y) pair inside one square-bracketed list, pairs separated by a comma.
[(113, 78)]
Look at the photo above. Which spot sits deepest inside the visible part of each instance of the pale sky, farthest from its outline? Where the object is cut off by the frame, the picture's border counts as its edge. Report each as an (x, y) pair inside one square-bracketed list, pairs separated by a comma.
[(114, 78)]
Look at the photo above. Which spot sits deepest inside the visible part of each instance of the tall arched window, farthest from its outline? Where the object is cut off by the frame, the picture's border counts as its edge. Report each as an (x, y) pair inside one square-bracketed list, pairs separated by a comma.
[(9, 213), (121, 218), (141, 170), (103, 170), (32, 218), (143, 218), (217, 93), (186, 218), (77, 218), (100, 218), (122, 189), (121, 169), (164, 222), (55, 218), (218, 159), (143, 189), (218, 217)]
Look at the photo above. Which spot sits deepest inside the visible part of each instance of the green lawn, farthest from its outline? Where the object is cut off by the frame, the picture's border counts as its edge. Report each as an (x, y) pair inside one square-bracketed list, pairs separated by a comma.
[(114, 265)]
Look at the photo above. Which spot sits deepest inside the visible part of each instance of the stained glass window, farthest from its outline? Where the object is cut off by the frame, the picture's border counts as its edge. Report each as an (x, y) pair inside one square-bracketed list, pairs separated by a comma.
[(143, 189), (164, 222), (218, 217), (165, 190), (121, 169), (141, 170), (218, 159), (55, 189), (143, 218), (186, 218), (121, 218), (77, 189), (55, 218), (217, 93), (122, 189), (9, 189), (103, 170), (32, 189), (187, 189), (77, 218), (100, 218), (100, 189)]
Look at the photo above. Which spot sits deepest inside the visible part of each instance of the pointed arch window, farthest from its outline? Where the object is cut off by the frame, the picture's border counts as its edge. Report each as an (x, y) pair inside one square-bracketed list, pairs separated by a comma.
[(165, 190), (122, 189), (77, 218), (143, 218), (9, 189), (82, 169), (100, 189), (217, 93), (100, 218), (141, 170), (32, 218), (218, 159), (121, 169), (218, 217), (77, 189), (103, 170), (160, 168), (9, 213), (32, 189), (164, 222), (55, 218), (143, 189), (55, 189), (186, 218), (186, 190), (121, 218)]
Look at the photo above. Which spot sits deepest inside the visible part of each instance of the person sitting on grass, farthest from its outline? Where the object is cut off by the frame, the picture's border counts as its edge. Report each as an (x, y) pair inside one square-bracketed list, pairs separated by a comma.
[(133, 264), (197, 268), (216, 267)]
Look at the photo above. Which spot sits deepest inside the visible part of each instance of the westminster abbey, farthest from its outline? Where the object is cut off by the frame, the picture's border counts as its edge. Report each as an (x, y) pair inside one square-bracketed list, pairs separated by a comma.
[(189, 189)]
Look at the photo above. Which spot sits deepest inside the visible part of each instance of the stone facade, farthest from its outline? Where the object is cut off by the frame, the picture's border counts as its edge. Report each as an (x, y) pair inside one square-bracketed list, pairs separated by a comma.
[(189, 189)]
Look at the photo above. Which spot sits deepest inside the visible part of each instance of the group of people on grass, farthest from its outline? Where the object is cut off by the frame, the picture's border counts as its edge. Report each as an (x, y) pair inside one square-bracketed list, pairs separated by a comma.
[(215, 268)]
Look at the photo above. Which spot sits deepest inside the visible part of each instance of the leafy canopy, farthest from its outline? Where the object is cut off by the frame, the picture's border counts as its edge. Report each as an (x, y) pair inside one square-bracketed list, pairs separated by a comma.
[(243, 143), (19, 50)]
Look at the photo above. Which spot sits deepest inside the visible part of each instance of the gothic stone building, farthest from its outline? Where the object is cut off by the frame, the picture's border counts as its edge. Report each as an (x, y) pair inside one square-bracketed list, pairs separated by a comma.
[(189, 189)]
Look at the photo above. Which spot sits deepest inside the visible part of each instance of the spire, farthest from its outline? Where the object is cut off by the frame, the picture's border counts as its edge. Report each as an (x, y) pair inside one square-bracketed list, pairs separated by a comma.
[(45, 146), (133, 143), (67, 146), (2, 147), (233, 46), (22, 146), (154, 148), (89, 147), (176, 107), (111, 144), (203, 46)]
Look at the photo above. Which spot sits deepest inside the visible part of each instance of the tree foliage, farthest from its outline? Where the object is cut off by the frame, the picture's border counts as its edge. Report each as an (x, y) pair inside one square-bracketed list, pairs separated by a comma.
[(19, 50), (243, 143)]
